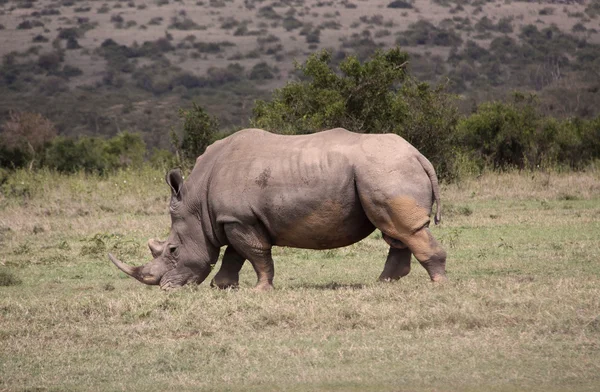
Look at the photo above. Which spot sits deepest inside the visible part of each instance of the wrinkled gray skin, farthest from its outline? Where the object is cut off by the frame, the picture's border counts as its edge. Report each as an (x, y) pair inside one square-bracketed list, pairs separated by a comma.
[(254, 190)]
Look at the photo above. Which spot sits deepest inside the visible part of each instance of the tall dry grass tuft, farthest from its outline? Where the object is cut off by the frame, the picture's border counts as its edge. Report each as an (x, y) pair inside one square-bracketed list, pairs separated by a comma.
[(523, 185)]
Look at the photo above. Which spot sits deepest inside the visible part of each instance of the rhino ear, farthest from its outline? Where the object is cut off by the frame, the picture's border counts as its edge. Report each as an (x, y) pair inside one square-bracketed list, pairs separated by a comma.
[(175, 181)]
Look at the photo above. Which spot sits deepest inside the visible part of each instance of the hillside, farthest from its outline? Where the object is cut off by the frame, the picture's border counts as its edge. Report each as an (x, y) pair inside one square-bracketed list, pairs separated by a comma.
[(102, 67)]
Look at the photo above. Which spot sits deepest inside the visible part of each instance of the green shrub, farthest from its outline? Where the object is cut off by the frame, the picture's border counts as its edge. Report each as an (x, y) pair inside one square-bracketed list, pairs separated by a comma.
[(162, 159), (94, 154), (185, 24), (188, 80), (425, 33), (268, 12), (68, 33), (326, 99), (429, 119), (125, 150), (50, 61), (70, 155), (69, 71), (211, 47), (484, 24), (593, 9), (516, 134), (261, 71), (28, 24), (362, 44), (376, 96), (400, 4), (24, 138), (38, 38), (198, 132), (290, 23), (72, 43), (505, 25)]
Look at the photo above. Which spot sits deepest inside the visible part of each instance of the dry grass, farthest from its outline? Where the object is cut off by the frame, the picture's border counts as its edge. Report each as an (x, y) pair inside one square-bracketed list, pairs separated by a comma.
[(521, 310)]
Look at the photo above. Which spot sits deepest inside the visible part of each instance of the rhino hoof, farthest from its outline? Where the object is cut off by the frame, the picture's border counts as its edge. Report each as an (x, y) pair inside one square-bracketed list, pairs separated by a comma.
[(224, 285)]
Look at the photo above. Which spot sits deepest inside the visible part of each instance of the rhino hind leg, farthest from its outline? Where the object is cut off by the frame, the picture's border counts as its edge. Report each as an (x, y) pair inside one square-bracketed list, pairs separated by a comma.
[(229, 273), (252, 243), (404, 223), (429, 253), (397, 264)]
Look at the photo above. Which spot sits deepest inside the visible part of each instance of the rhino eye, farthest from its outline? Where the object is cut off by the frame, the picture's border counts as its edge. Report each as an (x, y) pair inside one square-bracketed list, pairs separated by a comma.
[(174, 251)]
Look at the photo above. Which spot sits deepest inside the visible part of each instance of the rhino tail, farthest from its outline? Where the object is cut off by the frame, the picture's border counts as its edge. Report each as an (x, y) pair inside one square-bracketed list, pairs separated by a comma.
[(428, 167)]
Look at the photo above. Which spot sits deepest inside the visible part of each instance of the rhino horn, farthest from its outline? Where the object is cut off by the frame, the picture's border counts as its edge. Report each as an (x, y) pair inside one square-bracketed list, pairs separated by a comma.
[(146, 274), (156, 247)]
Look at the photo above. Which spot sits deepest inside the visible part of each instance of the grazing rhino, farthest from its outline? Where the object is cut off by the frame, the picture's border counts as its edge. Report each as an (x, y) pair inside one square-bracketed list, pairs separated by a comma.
[(254, 189)]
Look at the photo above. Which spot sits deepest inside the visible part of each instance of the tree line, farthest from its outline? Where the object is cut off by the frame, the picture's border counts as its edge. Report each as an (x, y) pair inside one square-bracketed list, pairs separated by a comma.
[(377, 95)]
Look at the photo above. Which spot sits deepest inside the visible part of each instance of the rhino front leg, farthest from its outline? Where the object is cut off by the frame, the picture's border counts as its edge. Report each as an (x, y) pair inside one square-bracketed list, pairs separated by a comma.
[(229, 274), (252, 243), (397, 264)]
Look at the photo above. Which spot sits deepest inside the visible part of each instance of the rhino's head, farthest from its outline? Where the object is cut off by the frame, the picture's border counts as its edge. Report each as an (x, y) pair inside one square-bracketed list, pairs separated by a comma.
[(184, 257)]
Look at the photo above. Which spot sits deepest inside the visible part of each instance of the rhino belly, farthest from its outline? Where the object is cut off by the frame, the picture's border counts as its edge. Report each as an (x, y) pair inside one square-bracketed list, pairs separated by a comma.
[(330, 224)]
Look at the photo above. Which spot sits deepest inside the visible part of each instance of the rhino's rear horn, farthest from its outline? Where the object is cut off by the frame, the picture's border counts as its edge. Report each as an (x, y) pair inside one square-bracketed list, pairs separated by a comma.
[(156, 247)]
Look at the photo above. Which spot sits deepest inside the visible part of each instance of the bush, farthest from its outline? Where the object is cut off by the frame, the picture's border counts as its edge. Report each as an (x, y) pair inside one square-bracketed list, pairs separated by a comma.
[(197, 133), (125, 150), (50, 61), (499, 134), (290, 23), (219, 76), (400, 4), (516, 134), (188, 80), (72, 43), (69, 33), (328, 99), (39, 38), (376, 96), (261, 71), (185, 24), (429, 120), (94, 154), (425, 33), (70, 155), (69, 71), (27, 25), (24, 138)]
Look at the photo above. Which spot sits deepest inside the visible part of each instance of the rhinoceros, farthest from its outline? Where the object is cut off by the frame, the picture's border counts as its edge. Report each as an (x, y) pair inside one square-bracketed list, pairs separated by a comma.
[(254, 190)]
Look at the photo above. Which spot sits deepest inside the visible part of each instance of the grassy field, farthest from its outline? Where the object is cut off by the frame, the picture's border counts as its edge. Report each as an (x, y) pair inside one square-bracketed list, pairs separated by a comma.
[(521, 309)]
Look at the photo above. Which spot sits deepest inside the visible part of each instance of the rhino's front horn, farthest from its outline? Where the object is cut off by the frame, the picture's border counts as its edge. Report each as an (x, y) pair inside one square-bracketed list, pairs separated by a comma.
[(145, 274)]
